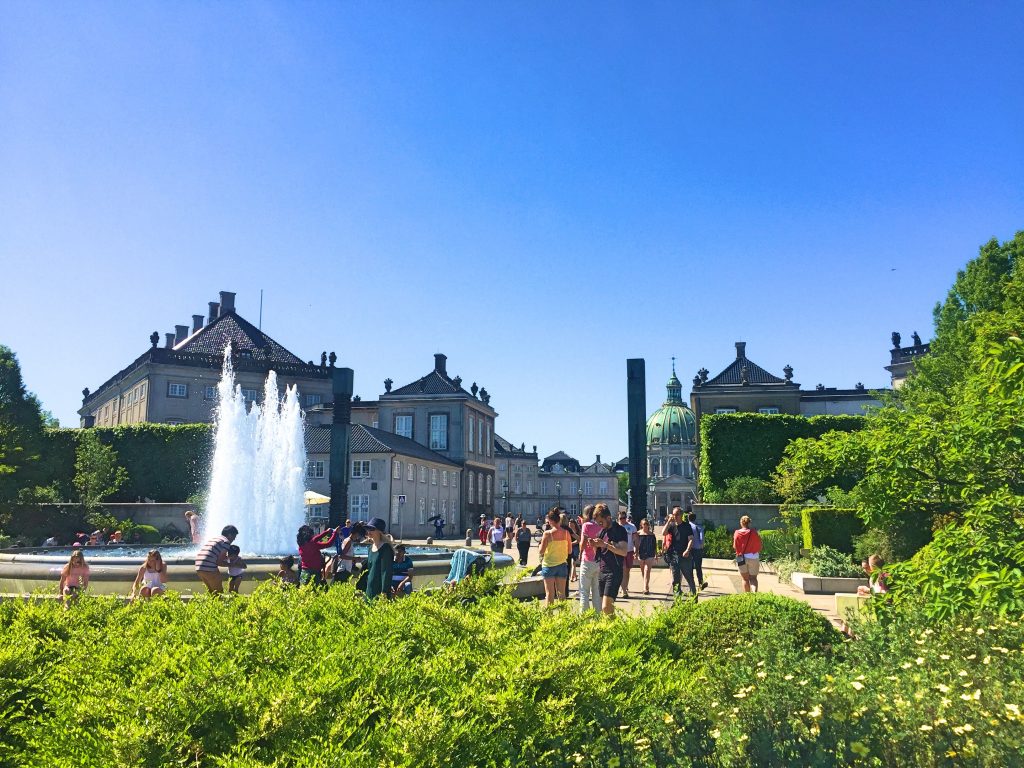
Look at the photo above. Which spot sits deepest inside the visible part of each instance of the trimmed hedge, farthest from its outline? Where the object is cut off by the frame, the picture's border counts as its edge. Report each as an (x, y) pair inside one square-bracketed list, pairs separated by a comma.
[(830, 527), (752, 444)]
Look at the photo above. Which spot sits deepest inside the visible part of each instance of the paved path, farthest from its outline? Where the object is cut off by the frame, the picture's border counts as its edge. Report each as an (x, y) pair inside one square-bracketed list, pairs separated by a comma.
[(721, 575)]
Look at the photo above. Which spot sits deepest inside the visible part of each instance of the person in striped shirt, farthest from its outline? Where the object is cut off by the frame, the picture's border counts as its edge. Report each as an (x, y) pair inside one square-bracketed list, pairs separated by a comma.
[(213, 555)]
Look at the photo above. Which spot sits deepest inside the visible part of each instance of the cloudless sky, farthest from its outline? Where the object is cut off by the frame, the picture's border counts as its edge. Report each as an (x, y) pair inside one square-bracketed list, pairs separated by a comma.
[(538, 190)]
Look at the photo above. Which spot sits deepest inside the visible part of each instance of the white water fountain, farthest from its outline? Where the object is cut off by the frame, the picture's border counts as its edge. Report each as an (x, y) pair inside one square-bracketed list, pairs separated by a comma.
[(257, 476)]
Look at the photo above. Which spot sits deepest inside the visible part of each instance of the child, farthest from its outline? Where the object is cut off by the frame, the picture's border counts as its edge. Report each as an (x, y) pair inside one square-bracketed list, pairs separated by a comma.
[(286, 573), (236, 567)]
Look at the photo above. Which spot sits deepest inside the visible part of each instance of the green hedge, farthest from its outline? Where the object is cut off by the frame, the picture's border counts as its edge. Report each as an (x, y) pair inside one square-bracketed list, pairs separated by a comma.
[(752, 444), (166, 463), (830, 527)]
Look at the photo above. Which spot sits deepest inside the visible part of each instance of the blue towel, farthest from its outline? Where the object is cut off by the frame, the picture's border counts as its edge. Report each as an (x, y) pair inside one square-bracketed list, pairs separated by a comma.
[(462, 561)]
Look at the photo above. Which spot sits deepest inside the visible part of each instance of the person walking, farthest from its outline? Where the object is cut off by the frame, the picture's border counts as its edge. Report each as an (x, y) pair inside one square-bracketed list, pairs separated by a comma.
[(523, 536), (380, 562), (212, 556), (678, 543), (589, 573), (555, 546), (611, 553), (746, 542), (627, 563), (497, 536), (698, 549), (646, 552), (311, 557)]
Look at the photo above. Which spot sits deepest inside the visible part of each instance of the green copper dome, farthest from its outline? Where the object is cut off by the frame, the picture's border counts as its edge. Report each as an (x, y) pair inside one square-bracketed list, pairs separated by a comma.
[(673, 423)]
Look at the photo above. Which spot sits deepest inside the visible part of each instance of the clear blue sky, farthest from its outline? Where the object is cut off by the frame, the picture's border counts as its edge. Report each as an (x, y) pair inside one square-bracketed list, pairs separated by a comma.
[(539, 190)]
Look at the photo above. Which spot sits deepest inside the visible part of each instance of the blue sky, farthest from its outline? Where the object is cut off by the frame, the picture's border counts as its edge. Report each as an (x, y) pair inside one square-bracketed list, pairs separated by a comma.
[(537, 190)]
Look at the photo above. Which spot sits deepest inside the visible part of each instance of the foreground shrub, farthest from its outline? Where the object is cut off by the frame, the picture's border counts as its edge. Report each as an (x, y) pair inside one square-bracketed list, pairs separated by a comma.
[(718, 542), (828, 562)]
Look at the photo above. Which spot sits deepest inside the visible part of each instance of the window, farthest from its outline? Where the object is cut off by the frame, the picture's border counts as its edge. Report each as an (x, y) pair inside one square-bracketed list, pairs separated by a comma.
[(360, 469), (423, 474), (433, 476), (470, 481), (314, 469), (488, 489), (444, 508), (209, 393), (396, 470), (142, 391), (655, 466), (770, 410), (312, 400), (410, 472), (177, 390), (479, 488), (174, 421), (444, 477), (602, 487), (421, 511), (573, 509), (472, 421), (573, 487), (501, 466), (480, 438), (545, 487), (403, 426), (249, 395), (374, 425), (529, 487), (433, 507), (439, 432), (675, 467), (359, 506), (519, 486), (725, 410), (588, 487)]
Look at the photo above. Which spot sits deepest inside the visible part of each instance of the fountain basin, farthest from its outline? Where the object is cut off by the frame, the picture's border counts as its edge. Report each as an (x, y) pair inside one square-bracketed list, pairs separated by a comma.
[(113, 569)]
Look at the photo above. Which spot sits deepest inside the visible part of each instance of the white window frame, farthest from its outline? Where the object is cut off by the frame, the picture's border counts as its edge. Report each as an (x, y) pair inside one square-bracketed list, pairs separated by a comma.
[(404, 416), (250, 395), (770, 410), (724, 410), (472, 421), (177, 390), (312, 399), (470, 481), (488, 490), (423, 474), (209, 393), (410, 472), (433, 476), (359, 506), (440, 433), (421, 511), (360, 469), (314, 469), (444, 478), (396, 470)]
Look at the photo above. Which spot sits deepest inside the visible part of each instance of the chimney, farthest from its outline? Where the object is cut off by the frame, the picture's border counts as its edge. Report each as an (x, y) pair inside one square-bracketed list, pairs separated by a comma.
[(197, 322), (180, 332), (227, 302), (741, 350), (599, 458), (440, 364), (214, 312), (168, 340)]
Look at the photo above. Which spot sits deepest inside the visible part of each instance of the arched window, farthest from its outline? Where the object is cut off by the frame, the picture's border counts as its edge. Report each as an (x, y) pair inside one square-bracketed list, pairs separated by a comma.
[(488, 489), (470, 487), (479, 489), (676, 467), (654, 467)]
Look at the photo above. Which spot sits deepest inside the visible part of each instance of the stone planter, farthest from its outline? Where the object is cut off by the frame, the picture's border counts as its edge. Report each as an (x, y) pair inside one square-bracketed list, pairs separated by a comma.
[(810, 584)]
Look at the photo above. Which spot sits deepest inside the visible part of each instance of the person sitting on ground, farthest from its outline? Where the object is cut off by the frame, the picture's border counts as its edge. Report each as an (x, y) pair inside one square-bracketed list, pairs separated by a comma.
[(311, 558), (286, 571), (878, 579), (401, 578), (236, 568), (212, 556), (74, 577), (152, 576)]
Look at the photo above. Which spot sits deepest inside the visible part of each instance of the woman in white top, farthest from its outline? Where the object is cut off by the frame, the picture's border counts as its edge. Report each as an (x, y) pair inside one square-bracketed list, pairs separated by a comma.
[(497, 536), (152, 576)]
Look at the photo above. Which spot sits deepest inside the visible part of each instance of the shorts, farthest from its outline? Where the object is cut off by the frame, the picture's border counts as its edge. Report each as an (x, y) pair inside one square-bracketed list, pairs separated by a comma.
[(555, 571), (609, 583), (750, 567), (628, 562)]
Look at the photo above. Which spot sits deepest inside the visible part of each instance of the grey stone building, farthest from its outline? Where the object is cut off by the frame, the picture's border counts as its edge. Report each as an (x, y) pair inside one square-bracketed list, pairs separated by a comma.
[(177, 383), (392, 477), (902, 359)]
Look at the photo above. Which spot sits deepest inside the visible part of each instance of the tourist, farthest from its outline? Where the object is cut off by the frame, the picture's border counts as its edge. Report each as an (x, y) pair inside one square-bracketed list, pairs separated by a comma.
[(401, 572), (211, 556), (193, 526), (115, 538), (286, 571), (574, 540), (878, 580), (523, 536), (311, 557), (746, 542), (589, 573), (438, 527), (74, 577), (345, 561), (380, 560), (698, 549), (152, 577), (344, 530), (81, 539), (646, 552), (612, 547), (627, 564), (677, 543), (236, 568), (574, 529), (482, 532), (509, 531), (50, 542), (497, 536), (555, 545)]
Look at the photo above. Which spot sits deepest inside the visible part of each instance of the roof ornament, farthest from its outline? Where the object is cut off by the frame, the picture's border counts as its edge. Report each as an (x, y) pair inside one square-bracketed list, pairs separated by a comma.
[(485, 396), (820, 388), (323, 359), (744, 375), (896, 339), (85, 394), (356, 398), (332, 359), (423, 383), (696, 381), (388, 383), (916, 338), (457, 381), (703, 373), (859, 386), (154, 339), (788, 371), (673, 365), (474, 389)]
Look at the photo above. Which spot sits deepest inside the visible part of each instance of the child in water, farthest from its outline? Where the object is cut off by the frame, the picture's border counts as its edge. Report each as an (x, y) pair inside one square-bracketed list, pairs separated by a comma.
[(236, 567)]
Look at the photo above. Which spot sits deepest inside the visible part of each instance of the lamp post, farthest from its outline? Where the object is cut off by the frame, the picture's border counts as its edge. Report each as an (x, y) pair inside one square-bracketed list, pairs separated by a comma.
[(558, 492), (579, 509), (654, 494), (504, 498)]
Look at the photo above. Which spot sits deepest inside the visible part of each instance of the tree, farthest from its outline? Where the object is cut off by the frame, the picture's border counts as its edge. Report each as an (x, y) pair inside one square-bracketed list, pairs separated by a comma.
[(623, 486), (21, 429), (97, 474), (746, 489)]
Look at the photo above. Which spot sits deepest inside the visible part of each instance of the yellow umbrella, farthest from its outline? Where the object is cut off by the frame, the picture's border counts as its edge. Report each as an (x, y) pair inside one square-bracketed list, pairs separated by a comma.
[(315, 498)]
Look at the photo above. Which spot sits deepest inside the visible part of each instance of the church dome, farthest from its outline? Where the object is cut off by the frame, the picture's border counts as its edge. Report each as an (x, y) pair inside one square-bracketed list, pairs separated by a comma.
[(673, 423)]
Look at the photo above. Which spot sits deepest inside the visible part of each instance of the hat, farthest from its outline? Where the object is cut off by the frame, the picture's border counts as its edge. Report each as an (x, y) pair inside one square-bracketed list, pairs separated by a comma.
[(377, 524)]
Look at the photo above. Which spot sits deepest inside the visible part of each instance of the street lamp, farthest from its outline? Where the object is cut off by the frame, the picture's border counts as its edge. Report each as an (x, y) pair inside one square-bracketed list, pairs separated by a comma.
[(558, 492), (579, 509), (654, 493), (504, 497)]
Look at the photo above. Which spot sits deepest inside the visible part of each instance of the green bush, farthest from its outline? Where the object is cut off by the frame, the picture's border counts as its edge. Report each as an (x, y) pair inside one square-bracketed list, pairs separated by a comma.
[(829, 562), (146, 534), (718, 542), (827, 526), (748, 490), (783, 542)]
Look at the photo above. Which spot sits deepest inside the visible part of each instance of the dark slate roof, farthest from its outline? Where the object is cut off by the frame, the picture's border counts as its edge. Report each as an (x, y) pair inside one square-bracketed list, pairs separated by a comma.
[(561, 456), (434, 383), (734, 374), (369, 440), (503, 447), (245, 338), (598, 468)]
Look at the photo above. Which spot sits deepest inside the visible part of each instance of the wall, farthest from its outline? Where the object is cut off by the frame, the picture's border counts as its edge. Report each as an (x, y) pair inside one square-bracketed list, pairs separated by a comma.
[(762, 516)]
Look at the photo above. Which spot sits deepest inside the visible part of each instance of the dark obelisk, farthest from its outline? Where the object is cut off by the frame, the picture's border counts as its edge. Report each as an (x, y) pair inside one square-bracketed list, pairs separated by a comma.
[(341, 428), (636, 399)]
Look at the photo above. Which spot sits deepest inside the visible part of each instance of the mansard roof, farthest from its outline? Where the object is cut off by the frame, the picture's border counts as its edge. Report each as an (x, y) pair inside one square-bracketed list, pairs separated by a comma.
[(743, 371), (434, 383), (364, 439), (505, 449)]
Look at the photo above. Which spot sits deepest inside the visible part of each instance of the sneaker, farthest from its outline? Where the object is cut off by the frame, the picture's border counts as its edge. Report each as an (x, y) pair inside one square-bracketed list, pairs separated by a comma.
[(703, 585), (625, 593)]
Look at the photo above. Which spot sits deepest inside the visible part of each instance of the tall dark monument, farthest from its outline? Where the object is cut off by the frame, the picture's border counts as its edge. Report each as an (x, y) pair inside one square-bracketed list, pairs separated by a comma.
[(636, 399), (341, 428)]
